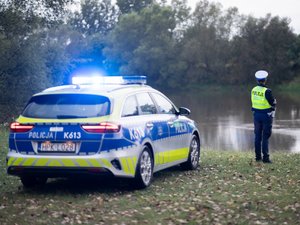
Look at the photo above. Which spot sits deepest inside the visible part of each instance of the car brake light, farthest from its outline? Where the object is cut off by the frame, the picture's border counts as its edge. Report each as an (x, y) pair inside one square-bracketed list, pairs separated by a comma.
[(104, 127), (18, 128)]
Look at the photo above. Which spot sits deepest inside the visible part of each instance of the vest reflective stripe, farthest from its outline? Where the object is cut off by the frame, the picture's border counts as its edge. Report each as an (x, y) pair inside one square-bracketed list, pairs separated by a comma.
[(258, 98)]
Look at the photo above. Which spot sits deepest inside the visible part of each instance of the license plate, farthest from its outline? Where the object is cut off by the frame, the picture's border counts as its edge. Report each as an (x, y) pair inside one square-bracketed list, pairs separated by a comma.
[(57, 147)]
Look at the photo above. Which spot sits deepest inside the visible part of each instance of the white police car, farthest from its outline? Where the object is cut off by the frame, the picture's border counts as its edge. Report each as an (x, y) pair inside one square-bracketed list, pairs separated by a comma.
[(115, 125)]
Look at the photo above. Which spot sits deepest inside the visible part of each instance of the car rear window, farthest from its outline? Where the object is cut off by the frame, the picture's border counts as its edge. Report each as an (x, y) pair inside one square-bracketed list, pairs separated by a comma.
[(67, 106)]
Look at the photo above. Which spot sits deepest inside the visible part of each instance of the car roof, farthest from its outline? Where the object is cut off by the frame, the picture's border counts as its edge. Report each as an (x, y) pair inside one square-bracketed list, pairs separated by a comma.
[(106, 90)]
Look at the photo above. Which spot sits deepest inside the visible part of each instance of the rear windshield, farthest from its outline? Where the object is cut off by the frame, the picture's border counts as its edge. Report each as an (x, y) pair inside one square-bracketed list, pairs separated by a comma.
[(67, 106)]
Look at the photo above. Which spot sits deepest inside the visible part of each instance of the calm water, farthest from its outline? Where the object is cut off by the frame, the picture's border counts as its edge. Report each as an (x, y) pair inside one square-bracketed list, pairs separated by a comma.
[(226, 123)]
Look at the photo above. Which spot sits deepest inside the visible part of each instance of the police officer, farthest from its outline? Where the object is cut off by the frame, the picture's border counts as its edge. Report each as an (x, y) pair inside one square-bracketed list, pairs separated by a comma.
[(263, 107)]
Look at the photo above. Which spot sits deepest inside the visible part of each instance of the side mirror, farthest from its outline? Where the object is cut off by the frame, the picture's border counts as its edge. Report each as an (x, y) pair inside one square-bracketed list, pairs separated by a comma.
[(184, 111)]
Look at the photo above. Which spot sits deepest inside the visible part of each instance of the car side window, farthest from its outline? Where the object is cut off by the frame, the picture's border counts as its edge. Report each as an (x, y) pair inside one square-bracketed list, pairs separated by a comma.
[(146, 104), (164, 105), (130, 107)]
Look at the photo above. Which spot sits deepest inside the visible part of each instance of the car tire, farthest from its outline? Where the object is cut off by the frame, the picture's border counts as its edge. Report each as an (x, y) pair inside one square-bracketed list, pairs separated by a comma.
[(31, 181), (144, 169), (194, 155)]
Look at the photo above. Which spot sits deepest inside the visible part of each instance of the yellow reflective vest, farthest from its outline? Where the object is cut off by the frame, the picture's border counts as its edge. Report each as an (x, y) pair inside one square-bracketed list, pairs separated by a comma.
[(258, 98)]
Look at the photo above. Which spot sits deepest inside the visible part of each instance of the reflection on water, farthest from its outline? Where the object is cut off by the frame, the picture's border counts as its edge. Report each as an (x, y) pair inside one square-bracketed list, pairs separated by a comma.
[(226, 123), (290, 129)]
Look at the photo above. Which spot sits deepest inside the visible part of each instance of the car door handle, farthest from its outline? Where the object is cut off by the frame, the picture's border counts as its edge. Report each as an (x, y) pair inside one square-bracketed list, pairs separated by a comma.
[(170, 123), (149, 125)]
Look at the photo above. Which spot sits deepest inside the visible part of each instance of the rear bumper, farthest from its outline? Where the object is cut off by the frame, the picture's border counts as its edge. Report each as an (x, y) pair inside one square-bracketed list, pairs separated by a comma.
[(118, 163)]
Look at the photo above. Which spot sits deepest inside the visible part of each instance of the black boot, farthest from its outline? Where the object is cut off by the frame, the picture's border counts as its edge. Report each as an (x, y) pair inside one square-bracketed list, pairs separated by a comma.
[(266, 160), (257, 158)]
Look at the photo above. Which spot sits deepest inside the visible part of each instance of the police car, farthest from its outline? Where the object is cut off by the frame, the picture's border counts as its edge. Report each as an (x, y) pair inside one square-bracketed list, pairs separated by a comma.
[(98, 125)]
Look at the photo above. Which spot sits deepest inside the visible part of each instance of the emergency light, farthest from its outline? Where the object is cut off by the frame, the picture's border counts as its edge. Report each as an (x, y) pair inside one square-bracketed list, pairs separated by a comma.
[(80, 80)]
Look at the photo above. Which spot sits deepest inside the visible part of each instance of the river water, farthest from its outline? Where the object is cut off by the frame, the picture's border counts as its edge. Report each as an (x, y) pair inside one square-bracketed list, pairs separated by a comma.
[(225, 120)]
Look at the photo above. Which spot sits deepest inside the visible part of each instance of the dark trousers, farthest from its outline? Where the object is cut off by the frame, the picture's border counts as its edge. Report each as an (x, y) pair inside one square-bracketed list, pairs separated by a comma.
[(262, 131)]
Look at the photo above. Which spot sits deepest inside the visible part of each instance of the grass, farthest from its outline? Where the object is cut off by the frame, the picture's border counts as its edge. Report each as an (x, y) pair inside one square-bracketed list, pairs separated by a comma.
[(229, 188)]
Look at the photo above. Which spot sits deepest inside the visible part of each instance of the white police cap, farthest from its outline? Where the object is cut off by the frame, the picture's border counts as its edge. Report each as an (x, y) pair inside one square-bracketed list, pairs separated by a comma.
[(261, 74)]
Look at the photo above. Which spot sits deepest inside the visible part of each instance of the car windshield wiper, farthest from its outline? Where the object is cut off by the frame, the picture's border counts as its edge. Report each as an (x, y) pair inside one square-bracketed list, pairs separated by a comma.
[(69, 117)]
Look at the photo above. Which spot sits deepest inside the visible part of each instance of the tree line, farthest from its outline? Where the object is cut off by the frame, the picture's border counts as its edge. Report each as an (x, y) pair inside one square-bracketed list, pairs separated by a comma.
[(42, 43)]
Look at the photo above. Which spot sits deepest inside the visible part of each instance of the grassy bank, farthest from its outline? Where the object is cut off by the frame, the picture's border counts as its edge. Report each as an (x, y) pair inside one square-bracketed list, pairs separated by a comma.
[(229, 188)]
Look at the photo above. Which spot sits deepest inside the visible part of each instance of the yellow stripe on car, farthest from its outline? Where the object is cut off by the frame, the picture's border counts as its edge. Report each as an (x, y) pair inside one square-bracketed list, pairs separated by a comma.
[(94, 162), (25, 120), (106, 163), (28, 162), (20, 161), (68, 162), (82, 163), (10, 161), (41, 162), (128, 164), (54, 163), (124, 165), (171, 156)]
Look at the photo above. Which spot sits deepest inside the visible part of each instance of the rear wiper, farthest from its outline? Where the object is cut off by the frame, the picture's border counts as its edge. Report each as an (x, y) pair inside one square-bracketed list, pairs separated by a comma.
[(69, 117)]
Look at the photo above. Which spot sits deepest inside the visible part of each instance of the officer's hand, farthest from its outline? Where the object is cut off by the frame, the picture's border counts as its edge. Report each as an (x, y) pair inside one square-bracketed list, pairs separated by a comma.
[(272, 114)]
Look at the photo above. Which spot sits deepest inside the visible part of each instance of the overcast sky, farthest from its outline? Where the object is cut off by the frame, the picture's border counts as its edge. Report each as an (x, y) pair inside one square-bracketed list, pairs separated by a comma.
[(260, 8)]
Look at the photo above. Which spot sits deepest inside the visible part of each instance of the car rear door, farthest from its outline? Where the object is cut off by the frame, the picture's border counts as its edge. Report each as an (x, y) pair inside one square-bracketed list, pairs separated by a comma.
[(142, 123)]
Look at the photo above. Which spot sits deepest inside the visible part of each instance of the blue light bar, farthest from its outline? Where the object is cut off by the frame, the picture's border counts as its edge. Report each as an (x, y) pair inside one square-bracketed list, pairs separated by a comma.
[(135, 79), (109, 80)]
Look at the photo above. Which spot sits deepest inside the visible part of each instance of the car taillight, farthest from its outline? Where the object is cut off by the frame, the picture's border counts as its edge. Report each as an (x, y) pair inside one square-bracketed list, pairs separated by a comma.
[(18, 128), (104, 127)]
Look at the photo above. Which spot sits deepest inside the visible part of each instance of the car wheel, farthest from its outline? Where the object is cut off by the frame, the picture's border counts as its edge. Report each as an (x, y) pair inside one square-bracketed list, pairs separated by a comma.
[(31, 181), (144, 170), (194, 155)]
